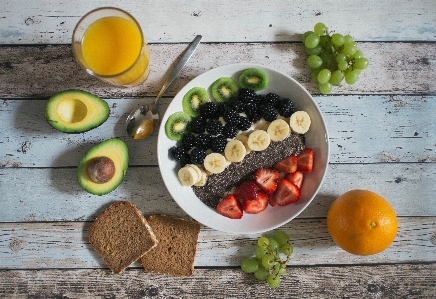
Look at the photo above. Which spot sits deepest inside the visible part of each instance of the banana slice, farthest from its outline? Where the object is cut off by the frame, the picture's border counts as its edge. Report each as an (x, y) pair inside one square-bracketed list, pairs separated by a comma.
[(278, 130), (258, 140), (196, 168), (215, 163), (235, 151), (300, 122), (203, 179), (188, 176), (244, 140)]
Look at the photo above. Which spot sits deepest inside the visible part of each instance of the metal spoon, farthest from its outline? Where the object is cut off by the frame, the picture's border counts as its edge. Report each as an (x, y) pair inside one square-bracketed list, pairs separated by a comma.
[(142, 121)]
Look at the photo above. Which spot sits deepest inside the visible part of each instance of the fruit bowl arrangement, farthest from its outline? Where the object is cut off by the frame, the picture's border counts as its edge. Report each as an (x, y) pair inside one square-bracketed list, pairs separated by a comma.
[(315, 138)]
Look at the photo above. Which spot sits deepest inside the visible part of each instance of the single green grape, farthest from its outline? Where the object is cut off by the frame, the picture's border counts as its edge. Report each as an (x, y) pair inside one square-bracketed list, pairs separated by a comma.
[(325, 41), (341, 57), (360, 63), (263, 242), (312, 41), (337, 39), (268, 261), (281, 237), (324, 76), (327, 57), (325, 88), (305, 35), (273, 244), (273, 281), (313, 51), (260, 252), (358, 54), (314, 61), (250, 265), (320, 28), (348, 39), (337, 77), (287, 249), (343, 65), (261, 273), (352, 77), (349, 49)]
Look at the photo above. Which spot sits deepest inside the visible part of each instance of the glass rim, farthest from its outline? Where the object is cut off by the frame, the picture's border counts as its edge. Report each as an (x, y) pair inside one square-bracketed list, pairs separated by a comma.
[(88, 70)]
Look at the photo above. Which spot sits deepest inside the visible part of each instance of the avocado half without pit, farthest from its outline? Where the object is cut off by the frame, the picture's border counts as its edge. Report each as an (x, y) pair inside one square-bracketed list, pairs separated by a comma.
[(76, 111), (103, 167)]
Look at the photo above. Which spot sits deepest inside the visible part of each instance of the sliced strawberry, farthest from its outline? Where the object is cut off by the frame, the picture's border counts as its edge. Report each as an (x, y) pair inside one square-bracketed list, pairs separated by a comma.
[(288, 164), (305, 160), (296, 178), (266, 179), (247, 190), (258, 205), (286, 193), (230, 207)]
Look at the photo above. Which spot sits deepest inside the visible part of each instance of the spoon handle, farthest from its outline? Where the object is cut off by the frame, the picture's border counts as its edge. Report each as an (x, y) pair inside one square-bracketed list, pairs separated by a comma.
[(180, 64)]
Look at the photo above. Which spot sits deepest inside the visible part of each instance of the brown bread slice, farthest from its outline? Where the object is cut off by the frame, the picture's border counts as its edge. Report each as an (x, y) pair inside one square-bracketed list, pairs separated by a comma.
[(121, 235), (177, 246)]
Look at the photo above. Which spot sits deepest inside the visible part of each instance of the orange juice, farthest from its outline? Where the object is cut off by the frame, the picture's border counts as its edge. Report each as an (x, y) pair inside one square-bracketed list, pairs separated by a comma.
[(112, 47)]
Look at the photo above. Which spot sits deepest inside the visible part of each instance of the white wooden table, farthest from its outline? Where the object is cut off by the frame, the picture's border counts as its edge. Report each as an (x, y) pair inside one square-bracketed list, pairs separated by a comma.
[(382, 138)]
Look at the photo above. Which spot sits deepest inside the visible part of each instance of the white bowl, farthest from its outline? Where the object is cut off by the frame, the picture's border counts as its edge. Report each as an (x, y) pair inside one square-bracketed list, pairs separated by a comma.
[(272, 217)]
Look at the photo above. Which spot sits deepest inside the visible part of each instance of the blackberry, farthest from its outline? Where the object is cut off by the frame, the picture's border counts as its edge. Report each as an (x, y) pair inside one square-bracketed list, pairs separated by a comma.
[(230, 131), (198, 155), (209, 110), (239, 105), (244, 123), (269, 112), (245, 92), (231, 116), (214, 127), (177, 152), (218, 144), (198, 124), (252, 112), (203, 141), (271, 98), (188, 142), (222, 108), (186, 159), (285, 107)]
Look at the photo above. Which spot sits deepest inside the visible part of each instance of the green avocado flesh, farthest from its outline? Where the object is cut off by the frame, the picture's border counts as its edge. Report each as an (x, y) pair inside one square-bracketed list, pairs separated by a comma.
[(114, 149), (76, 111)]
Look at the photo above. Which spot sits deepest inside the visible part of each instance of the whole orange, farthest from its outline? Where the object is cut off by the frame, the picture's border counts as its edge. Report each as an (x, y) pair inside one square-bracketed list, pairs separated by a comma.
[(362, 222)]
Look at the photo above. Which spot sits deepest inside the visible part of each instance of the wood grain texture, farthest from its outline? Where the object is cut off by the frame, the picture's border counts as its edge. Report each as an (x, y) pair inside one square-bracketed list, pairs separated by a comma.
[(385, 281), (40, 71), (52, 22), (55, 195), (362, 129), (65, 245)]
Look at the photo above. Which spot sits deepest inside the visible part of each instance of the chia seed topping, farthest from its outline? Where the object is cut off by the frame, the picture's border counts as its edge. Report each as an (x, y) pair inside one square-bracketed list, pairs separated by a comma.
[(219, 185)]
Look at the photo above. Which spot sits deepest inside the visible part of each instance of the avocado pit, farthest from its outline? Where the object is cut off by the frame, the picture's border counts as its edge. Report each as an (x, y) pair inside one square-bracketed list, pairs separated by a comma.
[(101, 170)]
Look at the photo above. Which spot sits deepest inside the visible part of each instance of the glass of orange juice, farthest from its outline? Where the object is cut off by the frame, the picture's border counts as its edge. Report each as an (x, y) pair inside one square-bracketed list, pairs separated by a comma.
[(108, 43)]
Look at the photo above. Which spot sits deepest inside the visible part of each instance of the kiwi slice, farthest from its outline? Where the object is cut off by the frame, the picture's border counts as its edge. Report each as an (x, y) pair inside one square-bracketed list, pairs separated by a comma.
[(254, 79), (224, 89), (177, 125), (193, 99)]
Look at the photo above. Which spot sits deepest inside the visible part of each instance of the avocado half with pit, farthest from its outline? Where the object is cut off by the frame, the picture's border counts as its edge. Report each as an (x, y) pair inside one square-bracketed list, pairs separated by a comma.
[(76, 111), (103, 167)]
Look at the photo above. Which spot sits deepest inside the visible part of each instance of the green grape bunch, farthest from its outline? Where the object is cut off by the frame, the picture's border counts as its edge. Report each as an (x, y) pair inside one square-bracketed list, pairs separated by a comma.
[(268, 264), (333, 58)]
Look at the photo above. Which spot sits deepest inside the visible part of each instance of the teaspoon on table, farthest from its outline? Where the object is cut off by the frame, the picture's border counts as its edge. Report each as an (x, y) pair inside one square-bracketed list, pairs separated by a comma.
[(142, 121)]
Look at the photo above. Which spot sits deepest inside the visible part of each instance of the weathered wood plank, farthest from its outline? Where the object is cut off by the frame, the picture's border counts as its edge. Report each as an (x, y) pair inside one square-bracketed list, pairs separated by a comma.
[(40, 71), (52, 22), (54, 194), (65, 245), (362, 129), (384, 281)]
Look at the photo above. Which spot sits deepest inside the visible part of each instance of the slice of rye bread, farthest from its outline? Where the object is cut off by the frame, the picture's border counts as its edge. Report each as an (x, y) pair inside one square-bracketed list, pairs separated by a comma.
[(121, 235), (177, 246)]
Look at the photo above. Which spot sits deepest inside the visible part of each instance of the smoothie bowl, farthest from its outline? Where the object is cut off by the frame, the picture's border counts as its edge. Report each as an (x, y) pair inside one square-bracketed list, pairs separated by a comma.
[(200, 202)]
